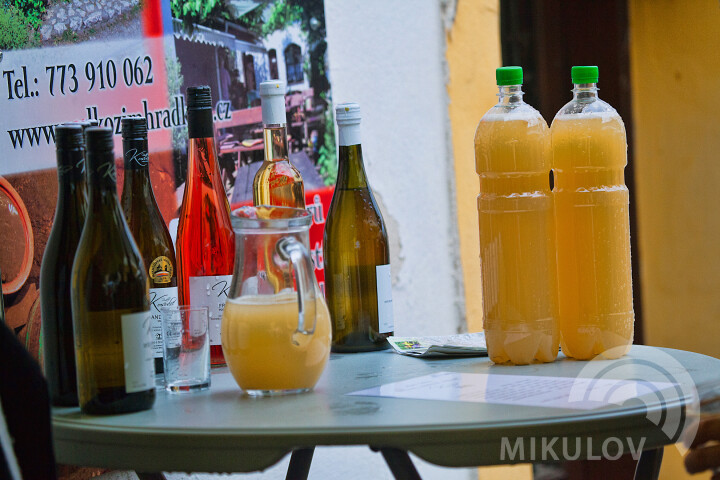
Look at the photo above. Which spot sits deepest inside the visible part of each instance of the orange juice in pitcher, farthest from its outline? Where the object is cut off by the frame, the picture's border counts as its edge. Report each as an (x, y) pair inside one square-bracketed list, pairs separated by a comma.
[(593, 226), (262, 348), (517, 231)]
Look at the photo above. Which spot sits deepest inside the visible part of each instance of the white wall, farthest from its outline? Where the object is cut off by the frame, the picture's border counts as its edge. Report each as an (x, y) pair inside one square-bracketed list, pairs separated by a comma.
[(390, 58)]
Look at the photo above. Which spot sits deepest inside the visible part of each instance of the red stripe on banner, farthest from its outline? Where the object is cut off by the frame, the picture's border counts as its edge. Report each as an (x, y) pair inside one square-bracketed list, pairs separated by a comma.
[(152, 18)]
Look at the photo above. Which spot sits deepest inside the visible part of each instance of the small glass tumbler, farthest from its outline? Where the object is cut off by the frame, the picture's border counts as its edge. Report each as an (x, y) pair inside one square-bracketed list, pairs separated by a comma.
[(186, 348)]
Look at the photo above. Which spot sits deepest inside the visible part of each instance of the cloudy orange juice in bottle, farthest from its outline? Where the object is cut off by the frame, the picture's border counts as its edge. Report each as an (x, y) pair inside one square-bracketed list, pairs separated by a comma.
[(517, 230), (593, 226)]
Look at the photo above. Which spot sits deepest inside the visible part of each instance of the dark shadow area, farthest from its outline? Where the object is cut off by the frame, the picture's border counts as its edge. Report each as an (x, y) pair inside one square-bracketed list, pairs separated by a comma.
[(547, 38)]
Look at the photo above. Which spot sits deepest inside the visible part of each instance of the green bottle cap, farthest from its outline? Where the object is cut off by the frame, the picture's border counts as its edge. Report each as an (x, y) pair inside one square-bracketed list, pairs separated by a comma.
[(586, 74), (509, 76)]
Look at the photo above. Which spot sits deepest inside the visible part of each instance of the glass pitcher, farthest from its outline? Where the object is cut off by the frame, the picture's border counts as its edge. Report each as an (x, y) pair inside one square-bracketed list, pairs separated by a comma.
[(276, 325)]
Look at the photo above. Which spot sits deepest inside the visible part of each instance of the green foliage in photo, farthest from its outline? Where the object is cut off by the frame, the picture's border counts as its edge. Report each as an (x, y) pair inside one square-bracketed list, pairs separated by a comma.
[(276, 15), (175, 81), (13, 28), (327, 157), (201, 12), (33, 10)]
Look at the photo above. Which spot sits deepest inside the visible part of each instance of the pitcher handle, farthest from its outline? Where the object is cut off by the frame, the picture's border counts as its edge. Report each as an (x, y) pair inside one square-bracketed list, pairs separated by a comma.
[(293, 251)]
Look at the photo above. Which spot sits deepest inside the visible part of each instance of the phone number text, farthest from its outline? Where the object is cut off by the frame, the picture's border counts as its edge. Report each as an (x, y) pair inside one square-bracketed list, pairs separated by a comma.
[(69, 79)]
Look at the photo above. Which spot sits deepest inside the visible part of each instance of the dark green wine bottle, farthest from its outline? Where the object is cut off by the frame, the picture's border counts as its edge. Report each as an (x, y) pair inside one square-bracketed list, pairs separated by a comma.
[(148, 227), (57, 328), (356, 252), (110, 301)]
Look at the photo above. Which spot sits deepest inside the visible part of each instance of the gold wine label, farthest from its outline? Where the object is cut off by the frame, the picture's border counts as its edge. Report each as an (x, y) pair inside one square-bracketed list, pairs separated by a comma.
[(161, 270)]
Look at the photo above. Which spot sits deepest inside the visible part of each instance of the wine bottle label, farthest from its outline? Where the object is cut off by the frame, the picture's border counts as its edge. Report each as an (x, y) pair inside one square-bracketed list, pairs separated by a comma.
[(160, 298), (386, 323), (212, 292), (161, 270), (138, 352)]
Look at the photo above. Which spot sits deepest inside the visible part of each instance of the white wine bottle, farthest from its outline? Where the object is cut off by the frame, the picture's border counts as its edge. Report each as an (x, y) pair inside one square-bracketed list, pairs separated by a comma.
[(148, 227), (110, 301), (57, 328), (277, 182), (356, 251)]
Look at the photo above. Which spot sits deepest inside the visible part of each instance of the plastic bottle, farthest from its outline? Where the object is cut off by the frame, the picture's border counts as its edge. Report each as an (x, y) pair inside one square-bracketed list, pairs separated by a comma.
[(517, 230), (593, 226)]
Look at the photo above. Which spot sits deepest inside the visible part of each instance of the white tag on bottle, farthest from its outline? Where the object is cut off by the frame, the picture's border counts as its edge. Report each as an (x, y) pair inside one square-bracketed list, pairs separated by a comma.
[(386, 323), (160, 298), (212, 292), (138, 352)]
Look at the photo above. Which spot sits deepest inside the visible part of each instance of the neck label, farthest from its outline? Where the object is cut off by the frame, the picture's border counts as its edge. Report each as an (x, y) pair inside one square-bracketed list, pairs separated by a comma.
[(349, 135), (105, 171), (136, 158), (273, 110), (200, 123)]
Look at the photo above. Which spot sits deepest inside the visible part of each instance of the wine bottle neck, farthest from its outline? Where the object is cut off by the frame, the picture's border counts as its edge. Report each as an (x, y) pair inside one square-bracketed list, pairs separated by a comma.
[(135, 154), (200, 123), (71, 166), (101, 173), (275, 139), (71, 191), (103, 203), (72, 199), (203, 166), (349, 134), (351, 170), (136, 180)]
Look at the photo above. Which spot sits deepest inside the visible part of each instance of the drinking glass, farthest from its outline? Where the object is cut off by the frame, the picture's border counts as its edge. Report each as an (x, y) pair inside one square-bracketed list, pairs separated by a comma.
[(186, 348)]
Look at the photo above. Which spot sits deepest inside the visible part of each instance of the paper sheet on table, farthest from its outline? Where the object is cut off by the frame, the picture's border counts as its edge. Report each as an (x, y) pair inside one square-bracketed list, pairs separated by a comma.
[(534, 391), (462, 345)]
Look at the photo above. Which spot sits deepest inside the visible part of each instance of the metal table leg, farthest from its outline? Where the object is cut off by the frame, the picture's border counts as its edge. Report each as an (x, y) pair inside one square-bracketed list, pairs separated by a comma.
[(399, 462), (648, 467), (300, 461)]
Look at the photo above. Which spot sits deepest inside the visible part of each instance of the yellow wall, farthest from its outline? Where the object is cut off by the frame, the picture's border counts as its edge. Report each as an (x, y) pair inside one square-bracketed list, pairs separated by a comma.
[(473, 54), (675, 72)]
